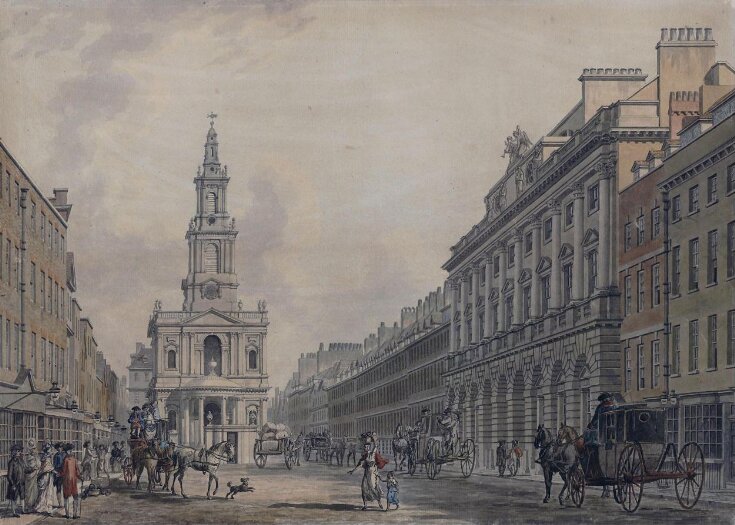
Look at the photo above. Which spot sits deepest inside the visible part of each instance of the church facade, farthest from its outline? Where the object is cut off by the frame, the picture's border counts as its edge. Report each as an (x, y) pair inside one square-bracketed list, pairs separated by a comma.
[(210, 375)]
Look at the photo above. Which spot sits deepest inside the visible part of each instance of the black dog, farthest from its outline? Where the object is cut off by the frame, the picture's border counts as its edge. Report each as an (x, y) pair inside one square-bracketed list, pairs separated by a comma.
[(242, 487)]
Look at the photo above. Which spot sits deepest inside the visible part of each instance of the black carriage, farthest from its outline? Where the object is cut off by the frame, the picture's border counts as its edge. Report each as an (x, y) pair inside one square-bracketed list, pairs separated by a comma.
[(629, 451), (319, 443), (431, 451)]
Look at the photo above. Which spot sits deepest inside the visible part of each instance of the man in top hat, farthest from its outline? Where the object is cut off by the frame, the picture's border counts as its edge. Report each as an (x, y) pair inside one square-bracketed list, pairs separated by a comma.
[(71, 475), (16, 480), (606, 402)]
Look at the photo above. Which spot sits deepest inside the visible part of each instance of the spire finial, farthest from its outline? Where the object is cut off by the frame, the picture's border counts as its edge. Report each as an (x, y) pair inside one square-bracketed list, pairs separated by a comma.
[(211, 118)]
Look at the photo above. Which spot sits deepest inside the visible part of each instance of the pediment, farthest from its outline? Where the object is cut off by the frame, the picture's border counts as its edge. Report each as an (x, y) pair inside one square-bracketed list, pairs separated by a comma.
[(508, 285), (590, 237), (543, 265), (493, 294), (211, 317), (525, 276), (566, 251)]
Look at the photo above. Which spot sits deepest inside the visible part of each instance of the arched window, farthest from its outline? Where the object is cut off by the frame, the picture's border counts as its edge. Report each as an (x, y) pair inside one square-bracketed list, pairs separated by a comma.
[(172, 359), (211, 202), (171, 420), (211, 258), (252, 359)]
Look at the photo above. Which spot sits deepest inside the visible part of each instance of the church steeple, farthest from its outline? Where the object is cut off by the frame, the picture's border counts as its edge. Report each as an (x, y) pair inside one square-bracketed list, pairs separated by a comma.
[(211, 281), (211, 154)]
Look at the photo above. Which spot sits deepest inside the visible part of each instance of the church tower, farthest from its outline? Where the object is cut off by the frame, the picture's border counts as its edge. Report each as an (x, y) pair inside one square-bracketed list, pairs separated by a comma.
[(211, 281)]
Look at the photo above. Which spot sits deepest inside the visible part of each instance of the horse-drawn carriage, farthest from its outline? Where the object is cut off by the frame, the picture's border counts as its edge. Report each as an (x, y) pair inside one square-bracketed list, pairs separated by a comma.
[(433, 451), (319, 443), (274, 440), (630, 450)]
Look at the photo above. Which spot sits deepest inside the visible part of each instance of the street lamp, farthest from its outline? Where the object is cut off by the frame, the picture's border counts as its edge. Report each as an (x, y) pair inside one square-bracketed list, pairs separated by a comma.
[(74, 407), (96, 417)]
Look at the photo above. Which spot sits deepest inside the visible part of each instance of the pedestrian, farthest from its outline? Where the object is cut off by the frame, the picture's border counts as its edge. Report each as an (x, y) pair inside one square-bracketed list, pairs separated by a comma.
[(71, 475), (16, 480), (32, 466), (392, 487), (58, 480), (371, 461), (45, 483)]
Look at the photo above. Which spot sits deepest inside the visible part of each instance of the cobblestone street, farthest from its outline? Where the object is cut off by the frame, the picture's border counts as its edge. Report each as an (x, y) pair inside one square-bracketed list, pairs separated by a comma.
[(316, 493)]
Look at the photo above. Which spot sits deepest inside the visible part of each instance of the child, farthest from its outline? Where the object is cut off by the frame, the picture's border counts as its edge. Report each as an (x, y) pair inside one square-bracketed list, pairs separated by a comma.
[(392, 486)]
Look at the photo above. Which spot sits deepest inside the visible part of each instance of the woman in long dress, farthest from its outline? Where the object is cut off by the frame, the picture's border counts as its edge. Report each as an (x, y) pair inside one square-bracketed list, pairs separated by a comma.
[(46, 489), (370, 486), (32, 465)]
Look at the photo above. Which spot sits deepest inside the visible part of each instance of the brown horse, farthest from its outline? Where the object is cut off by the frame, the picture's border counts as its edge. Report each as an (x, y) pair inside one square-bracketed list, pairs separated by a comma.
[(145, 456)]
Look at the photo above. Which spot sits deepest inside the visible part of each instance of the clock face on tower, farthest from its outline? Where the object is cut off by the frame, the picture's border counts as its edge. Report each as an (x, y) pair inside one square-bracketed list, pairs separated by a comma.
[(211, 219), (211, 291)]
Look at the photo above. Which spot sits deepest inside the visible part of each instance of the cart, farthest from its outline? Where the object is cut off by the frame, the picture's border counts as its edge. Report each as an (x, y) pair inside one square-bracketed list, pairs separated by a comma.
[(318, 443), (631, 450), (431, 451), (274, 447)]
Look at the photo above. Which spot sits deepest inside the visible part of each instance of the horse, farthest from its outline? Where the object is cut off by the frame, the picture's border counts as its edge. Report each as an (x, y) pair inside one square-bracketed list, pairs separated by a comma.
[(401, 447), (145, 456), (337, 450), (205, 461), (555, 456)]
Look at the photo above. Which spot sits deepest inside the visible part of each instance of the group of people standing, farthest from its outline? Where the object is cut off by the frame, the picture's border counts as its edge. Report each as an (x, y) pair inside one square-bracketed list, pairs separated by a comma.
[(40, 482)]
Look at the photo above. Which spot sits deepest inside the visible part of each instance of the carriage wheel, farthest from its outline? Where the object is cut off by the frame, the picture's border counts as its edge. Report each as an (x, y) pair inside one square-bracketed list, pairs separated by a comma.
[(630, 477), (576, 486), (691, 465), (467, 453), (433, 467)]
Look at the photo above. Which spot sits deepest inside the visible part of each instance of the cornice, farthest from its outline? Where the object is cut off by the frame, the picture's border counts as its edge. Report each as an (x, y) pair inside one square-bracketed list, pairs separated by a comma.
[(572, 159), (702, 163)]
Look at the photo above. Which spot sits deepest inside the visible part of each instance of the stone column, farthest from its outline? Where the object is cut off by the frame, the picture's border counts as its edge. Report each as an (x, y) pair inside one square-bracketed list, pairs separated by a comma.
[(503, 262), (224, 419), (606, 171), (452, 285), (517, 288), (488, 287), (475, 311), (535, 261), (185, 430), (556, 297), (578, 273), (201, 420), (464, 283)]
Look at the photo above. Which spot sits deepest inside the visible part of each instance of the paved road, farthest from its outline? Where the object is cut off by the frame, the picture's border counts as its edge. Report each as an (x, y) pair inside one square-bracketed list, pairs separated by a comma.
[(318, 494)]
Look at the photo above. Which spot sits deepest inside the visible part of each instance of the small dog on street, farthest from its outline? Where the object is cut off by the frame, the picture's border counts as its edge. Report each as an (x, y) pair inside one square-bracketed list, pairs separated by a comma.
[(242, 487)]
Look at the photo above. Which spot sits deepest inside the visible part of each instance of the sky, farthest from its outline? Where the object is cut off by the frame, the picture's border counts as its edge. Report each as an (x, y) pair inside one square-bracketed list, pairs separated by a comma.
[(360, 138)]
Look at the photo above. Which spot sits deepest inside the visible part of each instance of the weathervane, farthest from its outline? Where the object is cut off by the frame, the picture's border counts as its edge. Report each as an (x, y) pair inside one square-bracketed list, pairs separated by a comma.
[(211, 118)]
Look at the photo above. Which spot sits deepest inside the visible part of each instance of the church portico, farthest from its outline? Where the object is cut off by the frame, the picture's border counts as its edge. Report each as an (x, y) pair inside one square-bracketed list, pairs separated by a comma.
[(210, 370)]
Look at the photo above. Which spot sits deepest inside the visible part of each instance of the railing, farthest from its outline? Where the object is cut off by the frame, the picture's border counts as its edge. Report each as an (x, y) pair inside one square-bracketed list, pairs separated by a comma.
[(242, 315)]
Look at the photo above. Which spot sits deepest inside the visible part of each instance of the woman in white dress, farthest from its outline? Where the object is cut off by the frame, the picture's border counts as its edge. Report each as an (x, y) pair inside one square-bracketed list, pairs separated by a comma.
[(370, 486), (46, 489)]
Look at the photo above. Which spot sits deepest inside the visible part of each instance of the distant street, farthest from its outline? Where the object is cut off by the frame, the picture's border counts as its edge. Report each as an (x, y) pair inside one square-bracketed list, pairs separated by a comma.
[(316, 493)]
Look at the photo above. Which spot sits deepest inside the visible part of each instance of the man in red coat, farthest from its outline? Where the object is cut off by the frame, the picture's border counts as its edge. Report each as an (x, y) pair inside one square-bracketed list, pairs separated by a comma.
[(71, 474)]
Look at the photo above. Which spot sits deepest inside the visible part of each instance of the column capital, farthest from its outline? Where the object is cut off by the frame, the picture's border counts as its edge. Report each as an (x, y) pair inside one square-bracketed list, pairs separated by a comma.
[(500, 246), (451, 284), (554, 206), (517, 234), (535, 222), (466, 275), (578, 190), (605, 169), (478, 265)]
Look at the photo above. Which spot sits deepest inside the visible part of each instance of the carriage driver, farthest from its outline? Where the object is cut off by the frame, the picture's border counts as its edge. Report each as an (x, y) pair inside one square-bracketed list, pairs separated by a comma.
[(449, 422), (606, 403)]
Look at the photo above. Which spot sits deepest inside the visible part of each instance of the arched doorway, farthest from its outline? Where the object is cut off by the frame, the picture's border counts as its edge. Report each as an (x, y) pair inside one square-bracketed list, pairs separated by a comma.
[(213, 353)]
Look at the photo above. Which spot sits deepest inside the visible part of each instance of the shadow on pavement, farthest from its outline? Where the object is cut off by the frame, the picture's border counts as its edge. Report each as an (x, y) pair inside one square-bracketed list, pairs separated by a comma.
[(321, 506)]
